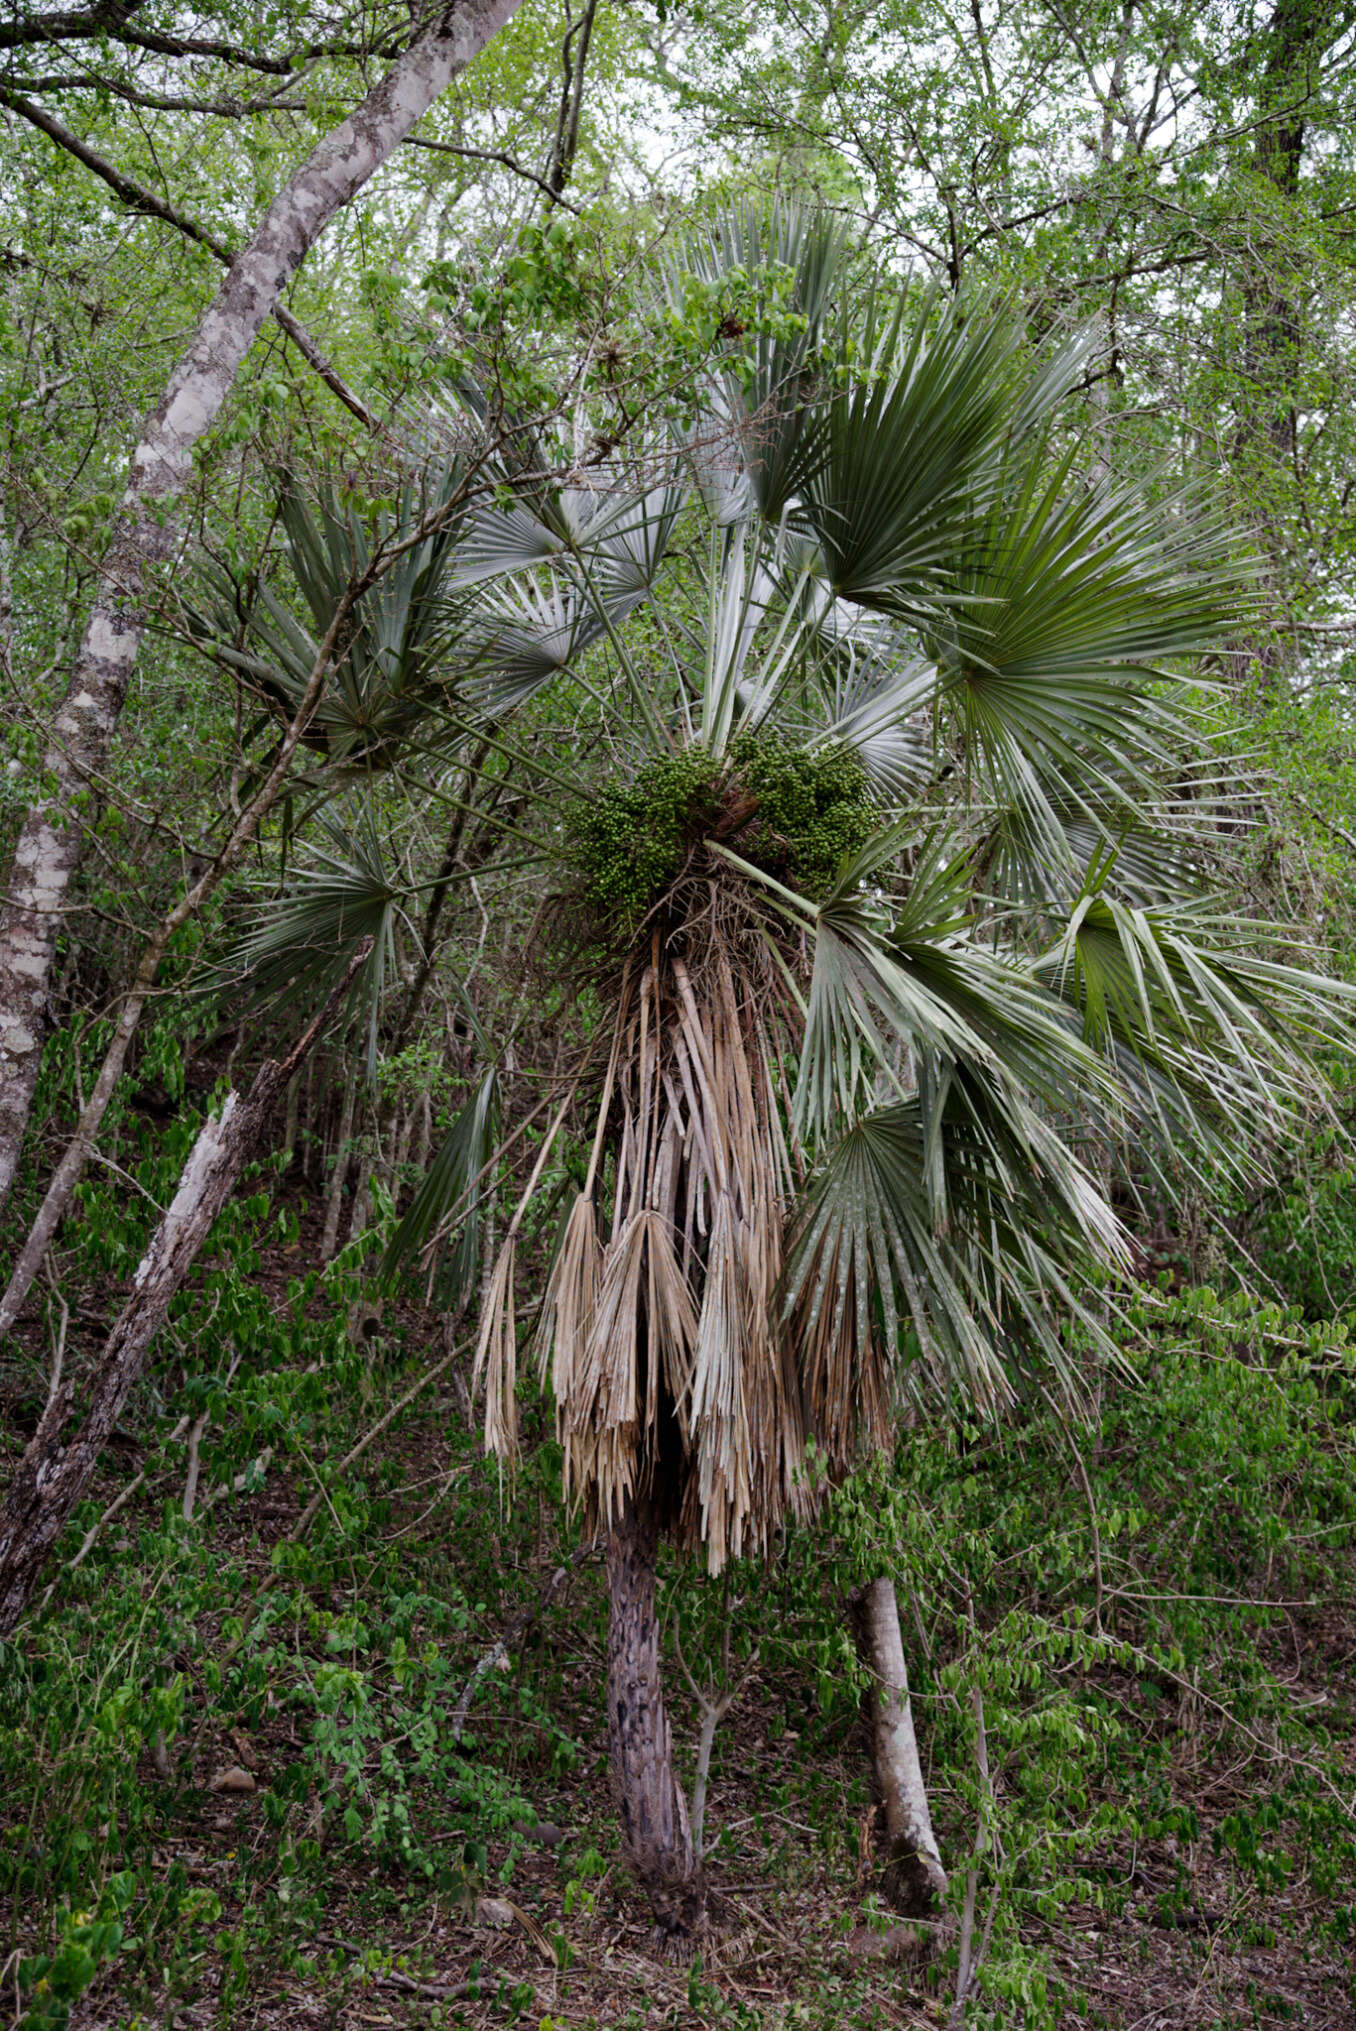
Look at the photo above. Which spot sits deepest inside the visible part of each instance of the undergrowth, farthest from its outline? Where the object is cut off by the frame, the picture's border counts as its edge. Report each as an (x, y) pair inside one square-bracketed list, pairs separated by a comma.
[(1140, 1619)]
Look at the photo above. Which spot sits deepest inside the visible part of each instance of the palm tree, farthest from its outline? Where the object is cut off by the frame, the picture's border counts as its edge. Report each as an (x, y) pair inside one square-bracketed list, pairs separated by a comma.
[(896, 893)]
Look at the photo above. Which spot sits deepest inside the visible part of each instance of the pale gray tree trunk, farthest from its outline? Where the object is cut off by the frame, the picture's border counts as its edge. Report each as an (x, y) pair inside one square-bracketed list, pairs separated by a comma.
[(49, 845), (55, 1470), (916, 1880)]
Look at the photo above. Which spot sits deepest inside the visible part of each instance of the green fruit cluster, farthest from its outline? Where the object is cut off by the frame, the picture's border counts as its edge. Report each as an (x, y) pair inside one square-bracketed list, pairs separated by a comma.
[(812, 809), (629, 842)]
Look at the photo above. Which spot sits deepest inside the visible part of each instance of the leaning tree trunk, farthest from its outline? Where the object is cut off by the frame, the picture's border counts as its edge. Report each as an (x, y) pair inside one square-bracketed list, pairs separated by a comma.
[(49, 845), (54, 1473), (915, 1879), (654, 1819)]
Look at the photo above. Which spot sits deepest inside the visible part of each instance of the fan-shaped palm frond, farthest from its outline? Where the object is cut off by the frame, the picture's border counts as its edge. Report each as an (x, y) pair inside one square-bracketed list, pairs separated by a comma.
[(387, 680), (302, 940), (761, 438), (561, 575), (1211, 1040), (1155, 839), (1070, 605), (525, 635), (450, 1195), (960, 1213), (887, 986), (906, 454), (877, 715)]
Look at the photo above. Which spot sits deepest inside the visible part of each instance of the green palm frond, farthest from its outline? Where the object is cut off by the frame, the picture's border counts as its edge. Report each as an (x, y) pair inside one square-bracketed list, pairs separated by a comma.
[(877, 714), (1070, 606), (451, 1194), (905, 454), (1205, 1033), (387, 680), (1156, 841), (888, 987), (303, 939), (552, 584), (762, 440), (943, 1240), (525, 635), (627, 547), (533, 524)]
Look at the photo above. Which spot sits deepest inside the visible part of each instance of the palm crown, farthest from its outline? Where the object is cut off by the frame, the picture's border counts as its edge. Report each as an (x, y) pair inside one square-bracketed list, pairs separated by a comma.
[(894, 889)]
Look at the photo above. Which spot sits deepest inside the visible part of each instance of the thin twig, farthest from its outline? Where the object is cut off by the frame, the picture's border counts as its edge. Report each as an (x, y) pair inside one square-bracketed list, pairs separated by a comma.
[(119, 1501), (309, 1513)]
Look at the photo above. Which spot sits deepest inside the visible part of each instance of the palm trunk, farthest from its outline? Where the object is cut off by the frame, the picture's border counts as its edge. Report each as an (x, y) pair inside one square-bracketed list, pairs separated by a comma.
[(654, 1817), (50, 843), (915, 1879)]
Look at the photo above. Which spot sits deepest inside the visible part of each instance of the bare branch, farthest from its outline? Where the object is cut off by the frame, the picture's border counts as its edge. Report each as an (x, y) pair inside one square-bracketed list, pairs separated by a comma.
[(138, 198)]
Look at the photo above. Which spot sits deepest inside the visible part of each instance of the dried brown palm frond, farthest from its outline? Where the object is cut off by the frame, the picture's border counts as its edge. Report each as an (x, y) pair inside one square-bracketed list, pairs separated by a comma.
[(497, 1356), (570, 1296), (497, 1348), (601, 1419), (671, 1322), (630, 1366), (671, 1328), (744, 1415)]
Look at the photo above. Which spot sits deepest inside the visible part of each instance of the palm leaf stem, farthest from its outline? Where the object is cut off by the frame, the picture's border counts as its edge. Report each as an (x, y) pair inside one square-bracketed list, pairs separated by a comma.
[(636, 684), (462, 874), (782, 658), (541, 846), (800, 905), (498, 745), (679, 676)]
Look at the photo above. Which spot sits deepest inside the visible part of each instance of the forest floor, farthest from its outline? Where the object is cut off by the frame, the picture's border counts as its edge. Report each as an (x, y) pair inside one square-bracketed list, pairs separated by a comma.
[(480, 1882)]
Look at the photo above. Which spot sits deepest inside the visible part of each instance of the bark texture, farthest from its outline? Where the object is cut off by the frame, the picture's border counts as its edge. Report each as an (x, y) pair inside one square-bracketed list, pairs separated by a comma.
[(915, 1880), (54, 1471), (61, 1185), (49, 846), (653, 1811)]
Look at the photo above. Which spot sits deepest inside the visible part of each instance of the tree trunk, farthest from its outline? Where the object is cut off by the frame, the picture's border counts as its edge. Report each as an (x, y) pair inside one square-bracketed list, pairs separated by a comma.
[(48, 849), (1297, 38), (53, 1474), (61, 1185), (915, 1879), (1292, 48), (334, 1198), (571, 100), (654, 1819)]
